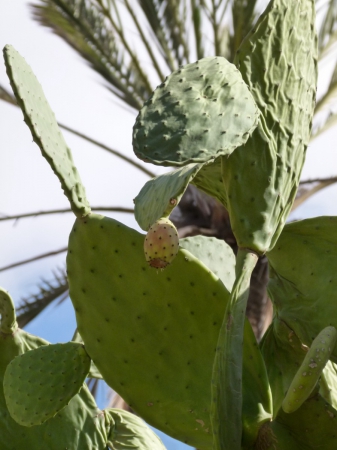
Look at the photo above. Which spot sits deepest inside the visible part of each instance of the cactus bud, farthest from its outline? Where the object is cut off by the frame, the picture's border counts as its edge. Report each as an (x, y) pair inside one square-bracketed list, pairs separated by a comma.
[(161, 244)]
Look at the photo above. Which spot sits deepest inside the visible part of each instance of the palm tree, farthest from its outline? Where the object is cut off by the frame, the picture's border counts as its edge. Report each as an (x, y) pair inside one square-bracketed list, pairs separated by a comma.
[(110, 36)]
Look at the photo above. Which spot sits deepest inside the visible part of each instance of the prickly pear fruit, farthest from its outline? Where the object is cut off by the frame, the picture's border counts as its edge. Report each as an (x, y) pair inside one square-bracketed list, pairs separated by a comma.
[(161, 244), (311, 369)]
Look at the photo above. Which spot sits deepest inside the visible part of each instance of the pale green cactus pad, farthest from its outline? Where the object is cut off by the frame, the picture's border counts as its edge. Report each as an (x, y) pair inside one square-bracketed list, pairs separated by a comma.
[(215, 254), (278, 61), (159, 196), (201, 111), (328, 384), (128, 431), (44, 128), (40, 382), (149, 341), (303, 277)]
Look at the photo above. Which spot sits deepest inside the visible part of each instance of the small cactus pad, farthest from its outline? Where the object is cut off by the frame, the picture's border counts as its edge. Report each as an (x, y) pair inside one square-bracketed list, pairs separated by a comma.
[(39, 383), (44, 128), (149, 333), (159, 196), (215, 254), (311, 369), (303, 279), (80, 425), (8, 323), (278, 61), (127, 431), (161, 244), (201, 111)]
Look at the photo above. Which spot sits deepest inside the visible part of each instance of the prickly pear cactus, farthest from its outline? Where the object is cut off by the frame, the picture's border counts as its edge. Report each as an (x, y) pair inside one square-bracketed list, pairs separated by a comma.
[(68, 429), (161, 244)]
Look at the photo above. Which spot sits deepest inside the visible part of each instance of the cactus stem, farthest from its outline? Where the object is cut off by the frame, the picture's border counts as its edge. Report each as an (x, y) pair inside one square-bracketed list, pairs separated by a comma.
[(226, 405)]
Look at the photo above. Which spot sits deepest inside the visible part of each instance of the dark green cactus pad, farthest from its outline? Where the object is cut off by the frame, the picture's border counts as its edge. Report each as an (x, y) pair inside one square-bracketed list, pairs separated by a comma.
[(80, 425), (215, 254), (40, 382), (201, 111), (148, 340), (278, 61), (160, 195), (128, 431), (303, 277), (44, 128)]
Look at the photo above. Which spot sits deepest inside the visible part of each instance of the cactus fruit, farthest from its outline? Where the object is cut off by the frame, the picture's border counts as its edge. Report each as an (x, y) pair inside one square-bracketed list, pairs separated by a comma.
[(311, 369), (161, 244)]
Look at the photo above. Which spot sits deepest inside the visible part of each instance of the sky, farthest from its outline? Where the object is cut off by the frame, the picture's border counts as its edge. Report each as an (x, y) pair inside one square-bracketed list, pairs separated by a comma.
[(80, 100)]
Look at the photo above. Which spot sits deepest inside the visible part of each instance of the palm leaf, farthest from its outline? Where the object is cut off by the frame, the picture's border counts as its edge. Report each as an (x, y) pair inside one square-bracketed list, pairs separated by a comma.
[(48, 291)]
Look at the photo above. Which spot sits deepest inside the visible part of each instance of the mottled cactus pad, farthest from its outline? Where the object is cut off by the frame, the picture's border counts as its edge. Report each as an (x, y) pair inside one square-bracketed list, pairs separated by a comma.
[(201, 111)]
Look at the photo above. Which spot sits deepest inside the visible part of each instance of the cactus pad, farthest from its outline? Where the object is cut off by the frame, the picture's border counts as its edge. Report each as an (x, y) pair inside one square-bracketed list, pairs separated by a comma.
[(148, 340), (201, 111), (278, 61), (39, 383), (44, 128), (127, 431), (159, 196), (8, 323), (215, 254), (303, 277), (311, 369)]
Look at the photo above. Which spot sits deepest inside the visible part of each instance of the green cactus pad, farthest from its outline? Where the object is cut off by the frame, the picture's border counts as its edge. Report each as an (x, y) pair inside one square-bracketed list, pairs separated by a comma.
[(44, 128), (127, 431), (303, 277), (160, 195), (209, 179), (39, 383), (313, 425), (201, 111), (278, 61), (8, 324), (215, 254), (150, 340), (93, 371), (308, 374), (80, 425)]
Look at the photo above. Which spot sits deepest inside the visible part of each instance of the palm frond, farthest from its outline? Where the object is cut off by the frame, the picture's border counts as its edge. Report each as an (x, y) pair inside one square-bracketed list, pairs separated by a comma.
[(308, 188), (33, 259), (327, 35), (17, 217), (330, 96), (244, 16), (48, 291), (6, 96), (83, 25)]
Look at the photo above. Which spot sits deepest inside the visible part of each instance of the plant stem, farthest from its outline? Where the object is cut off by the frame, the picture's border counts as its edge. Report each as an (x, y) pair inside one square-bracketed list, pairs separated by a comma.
[(226, 408)]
